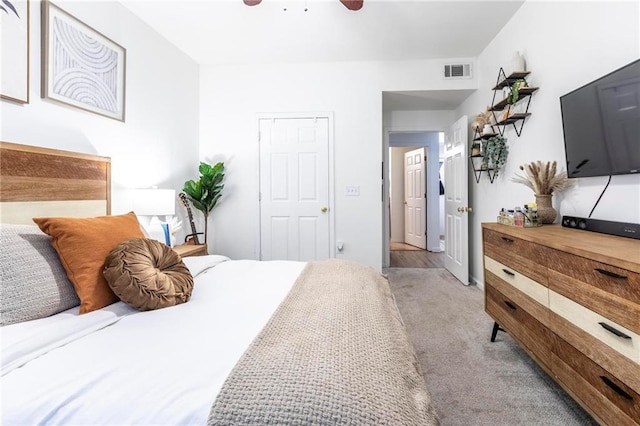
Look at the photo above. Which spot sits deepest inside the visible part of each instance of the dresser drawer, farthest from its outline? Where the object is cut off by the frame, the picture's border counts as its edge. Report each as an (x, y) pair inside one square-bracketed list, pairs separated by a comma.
[(595, 349), (617, 281), (523, 256), (607, 397), (614, 335), (526, 293), (523, 327), (531, 288), (612, 292)]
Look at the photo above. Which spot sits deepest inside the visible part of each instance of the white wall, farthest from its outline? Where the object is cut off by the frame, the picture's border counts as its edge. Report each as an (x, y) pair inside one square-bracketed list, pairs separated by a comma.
[(566, 45), (231, 97), (158, 142)]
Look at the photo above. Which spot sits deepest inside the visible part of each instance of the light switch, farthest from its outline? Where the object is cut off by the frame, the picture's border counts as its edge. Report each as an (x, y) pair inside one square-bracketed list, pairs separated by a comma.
[(352, 191)]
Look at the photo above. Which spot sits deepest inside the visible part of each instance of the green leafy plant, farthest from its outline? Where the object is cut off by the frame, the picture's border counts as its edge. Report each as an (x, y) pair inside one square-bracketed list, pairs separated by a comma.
[(205, 193), (495, 153), (514, 91)]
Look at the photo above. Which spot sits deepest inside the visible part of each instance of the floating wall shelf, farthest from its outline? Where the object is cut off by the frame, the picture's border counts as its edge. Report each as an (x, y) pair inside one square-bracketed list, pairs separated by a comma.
[(509, 116)]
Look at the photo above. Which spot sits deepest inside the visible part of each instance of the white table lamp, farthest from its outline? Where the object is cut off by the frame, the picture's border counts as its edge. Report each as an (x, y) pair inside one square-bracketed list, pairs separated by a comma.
[(154, 202)]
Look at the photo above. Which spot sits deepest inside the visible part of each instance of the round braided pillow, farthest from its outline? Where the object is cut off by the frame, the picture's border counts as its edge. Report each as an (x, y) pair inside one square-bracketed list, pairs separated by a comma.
[(147, 274)]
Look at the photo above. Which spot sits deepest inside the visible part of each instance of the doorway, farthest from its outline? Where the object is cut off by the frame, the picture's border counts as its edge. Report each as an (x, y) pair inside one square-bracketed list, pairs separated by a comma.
[(402, 190)]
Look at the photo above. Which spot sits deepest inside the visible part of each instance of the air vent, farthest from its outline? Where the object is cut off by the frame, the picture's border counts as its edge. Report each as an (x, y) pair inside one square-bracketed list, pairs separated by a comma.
[(457, 71)]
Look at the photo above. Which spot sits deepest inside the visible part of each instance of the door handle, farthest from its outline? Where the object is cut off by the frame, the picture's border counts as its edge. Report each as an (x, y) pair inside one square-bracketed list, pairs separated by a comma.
[(324, 209), (464, 209)]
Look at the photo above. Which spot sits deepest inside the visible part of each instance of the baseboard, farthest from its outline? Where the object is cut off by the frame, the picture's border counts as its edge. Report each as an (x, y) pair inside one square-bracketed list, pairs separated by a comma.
[(474, 281)]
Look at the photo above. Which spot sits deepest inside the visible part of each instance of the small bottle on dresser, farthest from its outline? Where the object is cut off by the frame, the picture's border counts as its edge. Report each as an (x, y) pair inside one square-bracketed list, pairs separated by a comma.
[(518, 217)]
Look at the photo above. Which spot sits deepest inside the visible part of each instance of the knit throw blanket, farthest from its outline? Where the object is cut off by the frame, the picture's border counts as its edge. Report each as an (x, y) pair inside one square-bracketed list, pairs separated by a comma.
[(335, 352)]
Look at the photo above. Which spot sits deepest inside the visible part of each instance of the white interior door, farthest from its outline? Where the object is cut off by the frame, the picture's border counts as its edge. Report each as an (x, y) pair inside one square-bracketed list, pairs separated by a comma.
[(415, 198), (294, 189), (456, 194)]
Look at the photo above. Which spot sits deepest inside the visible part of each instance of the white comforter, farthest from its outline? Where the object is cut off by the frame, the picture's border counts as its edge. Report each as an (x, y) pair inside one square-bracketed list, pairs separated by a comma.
[(119, 366)]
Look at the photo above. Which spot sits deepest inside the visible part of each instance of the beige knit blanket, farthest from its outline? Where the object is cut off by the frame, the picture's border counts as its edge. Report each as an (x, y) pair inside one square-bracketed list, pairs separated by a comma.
[(335, 352)]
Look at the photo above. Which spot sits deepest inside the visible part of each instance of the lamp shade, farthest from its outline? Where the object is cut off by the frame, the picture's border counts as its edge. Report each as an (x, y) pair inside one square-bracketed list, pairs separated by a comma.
[(154, 202)]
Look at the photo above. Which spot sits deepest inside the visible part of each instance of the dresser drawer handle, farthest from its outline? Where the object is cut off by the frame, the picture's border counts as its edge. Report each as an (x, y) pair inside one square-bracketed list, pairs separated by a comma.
[(508, 240), (611, 274), (509, 304), (614, 331), (508, 272), (616, 388)]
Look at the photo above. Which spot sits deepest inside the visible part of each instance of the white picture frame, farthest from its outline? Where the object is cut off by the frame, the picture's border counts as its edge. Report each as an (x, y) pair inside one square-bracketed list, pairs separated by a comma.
[(14, 60), (80, 66)]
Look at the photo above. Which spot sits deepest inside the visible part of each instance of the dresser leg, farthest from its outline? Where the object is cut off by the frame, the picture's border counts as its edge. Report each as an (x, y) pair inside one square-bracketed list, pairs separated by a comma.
[(494, 332)]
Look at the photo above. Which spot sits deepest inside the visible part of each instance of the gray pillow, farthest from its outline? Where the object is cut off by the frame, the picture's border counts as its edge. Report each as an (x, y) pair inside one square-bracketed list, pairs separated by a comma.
[(33, 282)]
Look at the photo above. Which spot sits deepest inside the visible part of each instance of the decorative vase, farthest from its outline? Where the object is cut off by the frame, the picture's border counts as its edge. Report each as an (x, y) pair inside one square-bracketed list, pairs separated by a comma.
[(546, 212), (517, 63)]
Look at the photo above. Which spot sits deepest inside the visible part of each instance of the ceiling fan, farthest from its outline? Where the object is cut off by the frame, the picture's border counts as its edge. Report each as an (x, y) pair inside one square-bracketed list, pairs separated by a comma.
[(349, 4)]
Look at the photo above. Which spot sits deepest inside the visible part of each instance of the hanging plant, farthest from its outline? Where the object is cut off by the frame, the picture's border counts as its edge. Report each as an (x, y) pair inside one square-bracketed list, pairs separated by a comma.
[(514, 91), (495, 153)]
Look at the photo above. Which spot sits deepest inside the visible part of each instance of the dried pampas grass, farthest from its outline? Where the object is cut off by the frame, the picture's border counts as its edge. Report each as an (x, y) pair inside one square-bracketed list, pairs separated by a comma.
[(542, 178)]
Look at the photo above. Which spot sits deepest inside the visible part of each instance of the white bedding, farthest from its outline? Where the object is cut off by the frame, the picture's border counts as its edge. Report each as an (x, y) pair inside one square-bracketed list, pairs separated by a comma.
[(120, 366)]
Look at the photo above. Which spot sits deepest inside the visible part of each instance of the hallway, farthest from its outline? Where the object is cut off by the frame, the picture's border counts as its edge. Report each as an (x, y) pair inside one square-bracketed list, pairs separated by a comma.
[(406, 256)]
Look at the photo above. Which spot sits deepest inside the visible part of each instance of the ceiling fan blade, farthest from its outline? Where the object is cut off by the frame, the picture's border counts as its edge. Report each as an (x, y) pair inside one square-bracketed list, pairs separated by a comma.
[(251, 2), (353, 4)]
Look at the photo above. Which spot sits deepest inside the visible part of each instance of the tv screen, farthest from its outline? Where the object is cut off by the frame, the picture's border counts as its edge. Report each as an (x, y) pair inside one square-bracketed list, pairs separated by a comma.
[(601, 123)]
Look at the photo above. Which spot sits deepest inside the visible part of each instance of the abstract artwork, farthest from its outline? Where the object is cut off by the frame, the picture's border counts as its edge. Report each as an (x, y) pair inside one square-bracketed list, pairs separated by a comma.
[(14, 50), (81, 67)]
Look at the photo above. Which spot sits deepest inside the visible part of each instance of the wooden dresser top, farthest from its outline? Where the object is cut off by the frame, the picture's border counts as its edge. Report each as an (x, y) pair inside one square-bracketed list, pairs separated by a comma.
[(617, 251)]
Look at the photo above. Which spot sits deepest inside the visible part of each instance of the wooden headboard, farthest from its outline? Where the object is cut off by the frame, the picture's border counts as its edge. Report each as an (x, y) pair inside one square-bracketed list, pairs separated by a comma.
[(49, 182)]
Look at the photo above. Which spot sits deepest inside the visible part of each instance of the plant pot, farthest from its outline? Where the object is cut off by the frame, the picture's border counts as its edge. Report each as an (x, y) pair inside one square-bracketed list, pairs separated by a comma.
[(546, 213)]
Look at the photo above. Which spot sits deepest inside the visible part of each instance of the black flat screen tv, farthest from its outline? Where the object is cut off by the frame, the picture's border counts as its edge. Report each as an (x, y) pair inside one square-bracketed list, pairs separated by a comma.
[(601, 124)]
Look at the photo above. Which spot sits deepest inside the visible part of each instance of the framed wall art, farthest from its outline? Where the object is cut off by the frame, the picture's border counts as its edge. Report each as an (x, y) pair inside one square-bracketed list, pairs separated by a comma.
[(80, 66), (14, 59)]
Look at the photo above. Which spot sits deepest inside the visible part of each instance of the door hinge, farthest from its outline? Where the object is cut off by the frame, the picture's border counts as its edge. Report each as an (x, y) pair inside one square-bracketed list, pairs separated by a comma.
[(425, 195), (259, 196), (425, 158)]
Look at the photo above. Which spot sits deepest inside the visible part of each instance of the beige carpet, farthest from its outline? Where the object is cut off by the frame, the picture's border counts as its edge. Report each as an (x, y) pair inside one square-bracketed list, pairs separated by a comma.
[(473, 381)]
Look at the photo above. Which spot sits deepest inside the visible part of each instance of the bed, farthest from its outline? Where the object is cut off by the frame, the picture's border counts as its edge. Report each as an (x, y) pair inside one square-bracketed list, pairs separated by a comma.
[(277, 342)]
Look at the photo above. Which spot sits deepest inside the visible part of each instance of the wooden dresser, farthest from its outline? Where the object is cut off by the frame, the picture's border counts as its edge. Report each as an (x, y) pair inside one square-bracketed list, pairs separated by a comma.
[(571, 299)]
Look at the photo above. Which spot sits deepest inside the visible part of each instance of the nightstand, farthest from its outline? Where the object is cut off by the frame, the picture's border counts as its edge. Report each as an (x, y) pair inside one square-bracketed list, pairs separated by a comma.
[(186, 250)]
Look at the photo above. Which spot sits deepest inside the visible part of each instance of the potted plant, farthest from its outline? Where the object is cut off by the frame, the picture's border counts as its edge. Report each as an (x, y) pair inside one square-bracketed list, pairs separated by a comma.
[(544, 179), (514, 91), (475, 149), (205, 193), (495, 153)]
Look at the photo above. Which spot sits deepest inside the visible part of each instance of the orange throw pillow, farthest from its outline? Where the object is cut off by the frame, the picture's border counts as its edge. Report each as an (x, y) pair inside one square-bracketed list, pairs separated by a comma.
[(83, 245)]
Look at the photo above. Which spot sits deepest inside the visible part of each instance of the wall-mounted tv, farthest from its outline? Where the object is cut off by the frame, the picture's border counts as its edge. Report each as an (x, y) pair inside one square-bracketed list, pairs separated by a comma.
[(601, 123)]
